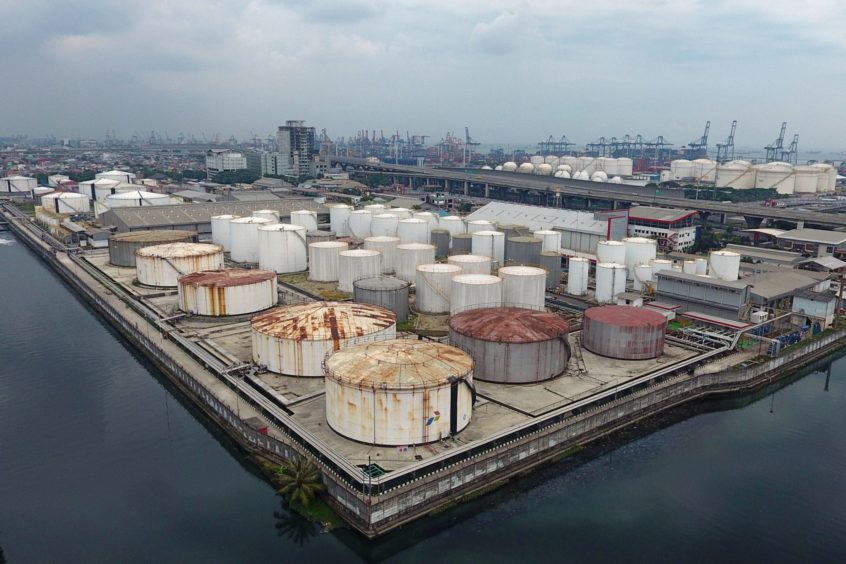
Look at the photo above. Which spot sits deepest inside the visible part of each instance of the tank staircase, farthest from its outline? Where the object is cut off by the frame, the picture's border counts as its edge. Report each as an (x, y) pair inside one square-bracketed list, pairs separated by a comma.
[(576, 367)]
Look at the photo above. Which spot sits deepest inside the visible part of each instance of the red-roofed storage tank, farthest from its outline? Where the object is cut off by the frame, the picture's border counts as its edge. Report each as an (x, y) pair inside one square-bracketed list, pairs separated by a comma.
[(624, 332)]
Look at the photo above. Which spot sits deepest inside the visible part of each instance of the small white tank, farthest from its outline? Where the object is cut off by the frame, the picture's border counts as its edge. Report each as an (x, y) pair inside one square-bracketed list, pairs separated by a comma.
[(243, 237), (323, 258), (282, 248), (432, 284), (472, 264), (306, 218), (577, 276), (430, 218), (639, 250), (453, 224), (489, 244), (410, 256), (413, 230), (384, 224), (480, 225), (661, 264), (473, 291), (550, 240), (357, 264), (359, 224), (388, 247), (610, 281), (339, 218), (642, 276), (272, 215), (725, 265), (701, 266), (689, 267), (510, 166), (220, 230), (401, 213), (523, 286), (611, 251), (375, 208)]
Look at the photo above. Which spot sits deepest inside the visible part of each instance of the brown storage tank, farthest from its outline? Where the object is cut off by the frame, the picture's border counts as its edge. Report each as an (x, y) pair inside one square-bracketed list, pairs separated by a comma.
[(512, 345), (624, 332), (235, 291), (122, 246)]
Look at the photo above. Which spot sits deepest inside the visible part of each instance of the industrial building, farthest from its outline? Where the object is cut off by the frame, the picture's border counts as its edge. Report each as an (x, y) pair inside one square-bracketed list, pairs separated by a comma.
[(673, 229), (813, 242), (224, 160), (722, 298)]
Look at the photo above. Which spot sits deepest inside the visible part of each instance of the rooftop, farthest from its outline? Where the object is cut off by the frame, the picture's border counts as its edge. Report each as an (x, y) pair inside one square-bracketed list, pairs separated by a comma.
[(663, 215), (537, 217), (815, 236), (673, 274), (775, 285)]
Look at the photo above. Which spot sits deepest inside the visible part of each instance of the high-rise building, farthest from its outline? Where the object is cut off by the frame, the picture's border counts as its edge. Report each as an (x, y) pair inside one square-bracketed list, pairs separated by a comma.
[(295, 143)]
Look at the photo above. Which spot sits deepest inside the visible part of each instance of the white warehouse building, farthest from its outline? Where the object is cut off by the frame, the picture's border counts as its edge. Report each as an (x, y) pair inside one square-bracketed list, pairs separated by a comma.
[(220, 160)]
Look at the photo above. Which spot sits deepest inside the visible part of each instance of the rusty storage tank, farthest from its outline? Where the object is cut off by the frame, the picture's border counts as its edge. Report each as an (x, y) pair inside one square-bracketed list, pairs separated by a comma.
[(624, 332), (295, 340), (551, 262), (122, 246), (235, 291), (161, 265), (385, 291), (512, 345), (523, 250), (399, 392), (441, 239), (462, 244)]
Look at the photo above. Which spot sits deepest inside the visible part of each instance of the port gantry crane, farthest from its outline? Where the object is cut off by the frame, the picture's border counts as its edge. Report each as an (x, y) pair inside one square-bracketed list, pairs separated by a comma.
[(791, 155), (776, 148), (698, 148), (469, 144), (557, 148), (725, 151)]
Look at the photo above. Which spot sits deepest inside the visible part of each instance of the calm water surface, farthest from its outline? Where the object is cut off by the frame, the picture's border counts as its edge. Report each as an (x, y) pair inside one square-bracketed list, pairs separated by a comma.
[(101, 461)]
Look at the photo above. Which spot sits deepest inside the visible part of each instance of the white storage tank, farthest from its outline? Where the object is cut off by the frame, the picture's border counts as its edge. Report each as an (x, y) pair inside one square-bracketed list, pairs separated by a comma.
[(162, 265), (681, 168), (661, 264), (523, 286), (410, 256), (323, 258), (639, 250), (610, 281), (642, 276), (526, 168), (599, 176), (375, 208), (736, 174), (413, 230), (725, 265), (66, 202), (357, 264), (489, 244), (220, 230), (295, 340), (611, 251), (624, 166), (282, 248), (234, 291), (271, 215), (806, 179), (136, 199), (243, 238), (472, 264), (339, 218), (359, 224), (430, 218), (704, 170), (453, 224), (577, 276), (401, 213), (544, 169), (689, 267), (551, 240), (587, 165), (306, 218), (384, 224), (509, 166), (472, 291), (12, 184), (388, 247), (775, 175), (827, 179), (117, 176), (433, 284), (399, 392), (99, 189), (701, 266), (480, 225)]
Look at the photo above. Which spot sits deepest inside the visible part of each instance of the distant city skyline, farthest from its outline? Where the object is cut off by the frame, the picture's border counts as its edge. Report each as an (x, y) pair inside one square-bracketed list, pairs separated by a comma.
[(514, 72)]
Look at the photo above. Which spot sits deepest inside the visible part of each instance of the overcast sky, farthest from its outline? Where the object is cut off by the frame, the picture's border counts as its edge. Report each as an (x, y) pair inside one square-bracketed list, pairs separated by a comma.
[(511, 71)]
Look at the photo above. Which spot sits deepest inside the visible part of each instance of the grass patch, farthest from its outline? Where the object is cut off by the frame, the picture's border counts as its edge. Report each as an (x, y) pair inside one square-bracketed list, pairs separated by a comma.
[(409, 324)]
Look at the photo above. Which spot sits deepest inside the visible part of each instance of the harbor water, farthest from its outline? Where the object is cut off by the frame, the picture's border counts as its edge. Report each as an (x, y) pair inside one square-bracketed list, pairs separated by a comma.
[(101, 460)]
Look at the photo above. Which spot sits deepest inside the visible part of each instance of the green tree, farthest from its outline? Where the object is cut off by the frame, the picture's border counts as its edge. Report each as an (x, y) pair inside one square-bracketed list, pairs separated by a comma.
[(300, 482), (235, 176)]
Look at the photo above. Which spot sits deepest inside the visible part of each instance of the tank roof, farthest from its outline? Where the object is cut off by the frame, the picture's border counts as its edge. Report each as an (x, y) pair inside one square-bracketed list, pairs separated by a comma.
[(624, 316), (381, 283), (153, 236), (519, 270), (399, 364), (226, 277), (320, 321), (179, 250), (509, 324)]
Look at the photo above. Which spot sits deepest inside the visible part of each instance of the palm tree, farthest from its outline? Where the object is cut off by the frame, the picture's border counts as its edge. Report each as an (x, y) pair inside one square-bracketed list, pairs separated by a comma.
[(300, 481)]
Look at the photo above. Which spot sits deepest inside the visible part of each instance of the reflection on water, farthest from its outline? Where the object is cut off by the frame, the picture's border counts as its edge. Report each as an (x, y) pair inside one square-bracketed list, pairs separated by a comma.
[(293, 526)]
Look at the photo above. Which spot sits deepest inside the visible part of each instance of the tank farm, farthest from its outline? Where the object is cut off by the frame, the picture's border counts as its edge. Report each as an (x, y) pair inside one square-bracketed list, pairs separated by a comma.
[(415, 359)]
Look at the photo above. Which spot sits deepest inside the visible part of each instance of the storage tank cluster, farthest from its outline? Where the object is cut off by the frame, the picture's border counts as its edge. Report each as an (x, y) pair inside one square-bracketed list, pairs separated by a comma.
[(579, 168), (787, 179), (161, 265), (623, 332), (234, 291)]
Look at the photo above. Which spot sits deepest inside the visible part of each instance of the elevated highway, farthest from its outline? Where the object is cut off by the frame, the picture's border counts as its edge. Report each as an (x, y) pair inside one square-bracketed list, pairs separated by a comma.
[(493, 182)]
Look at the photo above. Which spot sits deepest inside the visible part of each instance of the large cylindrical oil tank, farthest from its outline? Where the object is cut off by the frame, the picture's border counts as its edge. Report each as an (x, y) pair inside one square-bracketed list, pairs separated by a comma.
[(472, 264), (117, 176), (725, 265), (136, 199), (235, 291), (430, 218), (512, 345), (401, 213), (611, 251), (551, 262), (806, 179), (384, 225), (624, 166), (462, 244), (480, 225), (413, 230), (220, 230), (639, 250), (578, 271), (624, 332), (295, 340), (827, 178), (356, 264), (339, 218), (282, 247), (399, 392), (551, 239), (306, 218), (98, 189), (410, 256), (433, 284), (523, 250), (388, 247), (359, 224), (610, 281), (18, 184), (441, 239), (162, 265), (385, 291), (453, 224), (66, 203), (735, 174), (323, 260), (775, 175), (523, 286), (272, 215), (472, 291), (489, 244), (243, 238), (122, 246)]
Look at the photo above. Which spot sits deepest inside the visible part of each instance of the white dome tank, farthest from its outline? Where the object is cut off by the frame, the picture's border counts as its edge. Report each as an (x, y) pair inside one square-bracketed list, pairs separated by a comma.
[(498, 167), (282, 248), (509, 166), (610, 281), (162, 265), (544, 169), (355, 265), (384, 225), (323, 258), (536, 160), (359, 224), (526, 168), (642, 276), (806, 179), (136, 199), (725, 265), (433, 283), (410, 256), (234, 291), (295, 340), (615, 180), (577, 276), (564, 168), (388, 247), (220, 230), (339, 218), (611, 251), (735, 174), (413, 230), (775, 175), (66, 202), (272, 215), (599, 176), (306, 218), (243, 238), (489, 244), (401, 213), (480, 225), (639, 250), (453, 224), (472, 264), (523, 286), (474, 291)]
